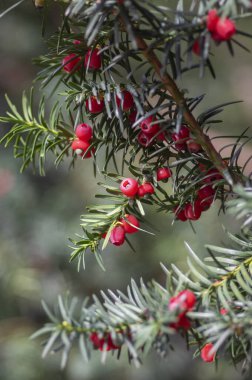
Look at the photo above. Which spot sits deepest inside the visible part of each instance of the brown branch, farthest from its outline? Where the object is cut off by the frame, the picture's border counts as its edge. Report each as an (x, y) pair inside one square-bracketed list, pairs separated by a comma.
[(178, 97)]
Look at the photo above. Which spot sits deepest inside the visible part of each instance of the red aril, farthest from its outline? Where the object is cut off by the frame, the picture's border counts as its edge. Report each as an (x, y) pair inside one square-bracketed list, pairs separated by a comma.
[(84, 132), (130, 228), (70, 63), (129, 187), (117, 236), (94, 105), (92, 59)]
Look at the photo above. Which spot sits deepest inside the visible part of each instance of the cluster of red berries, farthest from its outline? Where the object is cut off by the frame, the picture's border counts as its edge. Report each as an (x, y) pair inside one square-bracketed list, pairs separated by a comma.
[(182, 303), (127, 225), (183, 141), (104, 342), (204, 197), (92, 60), (81, 143), (95, 105), (192, 211), (221, 29), (149, 128), (131, 188)]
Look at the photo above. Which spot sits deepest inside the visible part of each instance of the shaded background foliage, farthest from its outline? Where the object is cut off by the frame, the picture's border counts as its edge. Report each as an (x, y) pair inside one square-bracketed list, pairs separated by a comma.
[(39, 213)]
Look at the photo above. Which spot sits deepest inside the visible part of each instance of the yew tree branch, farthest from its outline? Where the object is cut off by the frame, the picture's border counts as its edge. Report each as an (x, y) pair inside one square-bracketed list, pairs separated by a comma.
[(178, 97)]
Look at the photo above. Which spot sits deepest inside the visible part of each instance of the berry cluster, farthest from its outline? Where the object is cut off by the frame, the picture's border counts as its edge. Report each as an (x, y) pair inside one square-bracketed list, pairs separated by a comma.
[(183, 141), (150, 130), (182, 303), (92, 60), (192, 211), (81, 144), (204, 197), (126, 225), (221, 29), (103, 343), (131, 188)]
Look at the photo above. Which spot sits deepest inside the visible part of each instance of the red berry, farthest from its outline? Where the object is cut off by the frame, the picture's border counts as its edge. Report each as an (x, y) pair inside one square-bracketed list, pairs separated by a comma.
[(129, 229), (225, 29), (117, 235), (206, 203), (207, 353), (84, 132), (129, 187), (193, 211), (80, 147), (93, 105), (181, 137), (223, 311), (77, 42), (163, 173), (184, 301), (70, 63), (180, 214), (141, 192), (212, 19), (188, 299), (100, 343), (148, 126), (103, 236), (193, 147), (196, 47), (132, 116), (148, 188), (144, 140), (212, 175), (182, 323), (126, 101), (92, 59), (205, 192), (160, 136)]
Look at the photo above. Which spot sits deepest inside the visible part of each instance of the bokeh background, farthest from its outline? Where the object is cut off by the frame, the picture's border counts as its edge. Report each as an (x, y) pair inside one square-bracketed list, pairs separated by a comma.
[(38, 214)]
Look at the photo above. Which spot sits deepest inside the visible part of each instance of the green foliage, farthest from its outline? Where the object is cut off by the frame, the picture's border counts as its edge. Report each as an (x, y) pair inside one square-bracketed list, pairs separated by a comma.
[(33, 137)]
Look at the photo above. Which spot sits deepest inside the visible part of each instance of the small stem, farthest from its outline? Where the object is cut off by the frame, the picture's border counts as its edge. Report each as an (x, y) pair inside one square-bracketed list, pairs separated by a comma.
[(178, 97)]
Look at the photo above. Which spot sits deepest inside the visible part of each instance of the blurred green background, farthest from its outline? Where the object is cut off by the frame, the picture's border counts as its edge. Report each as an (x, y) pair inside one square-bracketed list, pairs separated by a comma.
[(39, 214)]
